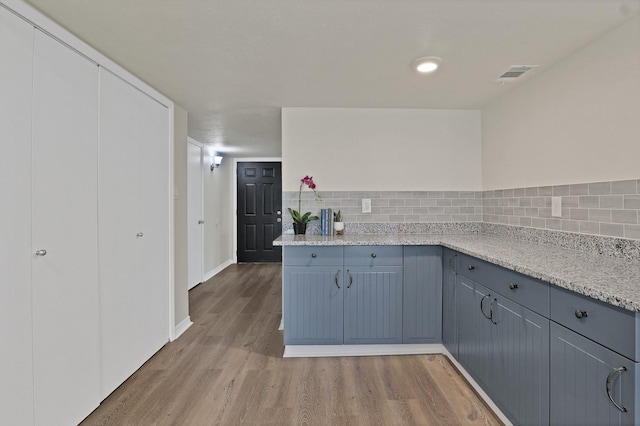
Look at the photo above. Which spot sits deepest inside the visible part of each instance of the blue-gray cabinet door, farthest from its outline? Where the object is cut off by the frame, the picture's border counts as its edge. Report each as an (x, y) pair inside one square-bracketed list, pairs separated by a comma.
[(422, 298), (373, 305), (519, 372), (449, 329), (313, 305), (581, 372), (475, 330)]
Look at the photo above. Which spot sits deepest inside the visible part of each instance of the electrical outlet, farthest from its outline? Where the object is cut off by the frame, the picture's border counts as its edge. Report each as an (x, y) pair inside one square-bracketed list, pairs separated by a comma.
[(366, 205), (556, 206)]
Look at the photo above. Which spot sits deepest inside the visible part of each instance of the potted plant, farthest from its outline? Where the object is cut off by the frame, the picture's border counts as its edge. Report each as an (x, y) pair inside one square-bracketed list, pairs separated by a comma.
[(300, 220), (338, 224)]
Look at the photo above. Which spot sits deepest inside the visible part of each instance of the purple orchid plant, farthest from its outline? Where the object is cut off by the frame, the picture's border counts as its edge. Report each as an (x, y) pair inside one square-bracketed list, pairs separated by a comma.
[(295, 214)]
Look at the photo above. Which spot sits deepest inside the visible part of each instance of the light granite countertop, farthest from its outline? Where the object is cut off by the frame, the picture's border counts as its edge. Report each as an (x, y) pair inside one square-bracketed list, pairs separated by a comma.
[(609, 279)]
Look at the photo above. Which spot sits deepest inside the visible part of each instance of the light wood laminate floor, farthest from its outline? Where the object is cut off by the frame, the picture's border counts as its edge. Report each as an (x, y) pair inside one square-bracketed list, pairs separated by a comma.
[(228, 369)]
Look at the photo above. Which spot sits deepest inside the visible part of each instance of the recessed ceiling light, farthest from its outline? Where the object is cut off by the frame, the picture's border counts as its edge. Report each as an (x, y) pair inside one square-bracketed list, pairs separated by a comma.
[(427, 64)]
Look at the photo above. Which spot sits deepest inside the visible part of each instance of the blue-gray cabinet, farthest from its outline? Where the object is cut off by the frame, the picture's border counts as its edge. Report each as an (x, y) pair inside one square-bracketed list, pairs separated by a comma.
[(590, 384), (313, 296), (520, 366), (449, 328), (422, 298), (505, 347), (595, 376), (373, 304), (350, 295), (475, 340)]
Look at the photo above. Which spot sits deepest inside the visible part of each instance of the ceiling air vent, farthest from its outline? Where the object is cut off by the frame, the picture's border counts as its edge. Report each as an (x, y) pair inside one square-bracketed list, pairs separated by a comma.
[(513, 73)]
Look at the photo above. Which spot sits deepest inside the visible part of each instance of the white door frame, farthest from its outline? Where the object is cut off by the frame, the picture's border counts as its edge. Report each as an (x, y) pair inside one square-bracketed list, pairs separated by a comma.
[(234, 195), (201, 195)]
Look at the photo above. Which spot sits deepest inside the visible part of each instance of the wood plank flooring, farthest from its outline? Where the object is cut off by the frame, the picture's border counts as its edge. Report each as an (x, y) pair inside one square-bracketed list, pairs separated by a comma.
[(228, 369)]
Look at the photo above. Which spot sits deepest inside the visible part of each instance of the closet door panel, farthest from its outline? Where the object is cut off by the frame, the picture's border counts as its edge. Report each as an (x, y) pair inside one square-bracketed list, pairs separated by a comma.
[(64, 223), (118, 225), (16, 369), (155, 200)]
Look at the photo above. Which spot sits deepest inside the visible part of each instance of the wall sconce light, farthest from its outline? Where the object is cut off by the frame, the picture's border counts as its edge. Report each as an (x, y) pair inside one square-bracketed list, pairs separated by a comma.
[(217, 159)]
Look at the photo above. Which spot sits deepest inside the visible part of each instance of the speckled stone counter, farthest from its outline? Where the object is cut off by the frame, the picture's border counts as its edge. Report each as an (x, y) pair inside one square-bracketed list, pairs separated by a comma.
[(609, 279)]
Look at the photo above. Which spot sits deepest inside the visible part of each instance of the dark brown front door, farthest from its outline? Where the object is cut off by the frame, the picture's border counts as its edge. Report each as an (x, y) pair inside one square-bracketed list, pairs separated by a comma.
[(259, 211)]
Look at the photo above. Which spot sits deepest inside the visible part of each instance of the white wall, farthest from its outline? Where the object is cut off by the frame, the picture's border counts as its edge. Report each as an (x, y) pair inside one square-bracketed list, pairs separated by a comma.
[(367, 149), (218, 214), (577, 122), (181, 295)]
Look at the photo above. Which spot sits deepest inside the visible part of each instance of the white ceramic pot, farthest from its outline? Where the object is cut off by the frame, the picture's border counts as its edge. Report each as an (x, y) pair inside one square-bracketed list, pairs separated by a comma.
[(338, 227)]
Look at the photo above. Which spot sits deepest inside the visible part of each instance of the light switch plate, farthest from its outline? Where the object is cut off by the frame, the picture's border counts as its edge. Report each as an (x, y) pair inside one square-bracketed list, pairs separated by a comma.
[(556, 206), (366, 205)]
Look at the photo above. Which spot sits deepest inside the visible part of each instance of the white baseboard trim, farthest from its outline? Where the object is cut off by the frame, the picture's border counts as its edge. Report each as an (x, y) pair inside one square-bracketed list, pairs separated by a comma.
[(314, 351), (215, 271), (477, 388), (181, 328)]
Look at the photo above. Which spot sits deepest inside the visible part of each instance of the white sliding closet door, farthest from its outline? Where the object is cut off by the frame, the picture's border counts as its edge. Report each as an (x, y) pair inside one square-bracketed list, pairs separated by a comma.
[(156, 224), (65, 280), (195, 228), (119, 224), (16, 368), (133, 229)]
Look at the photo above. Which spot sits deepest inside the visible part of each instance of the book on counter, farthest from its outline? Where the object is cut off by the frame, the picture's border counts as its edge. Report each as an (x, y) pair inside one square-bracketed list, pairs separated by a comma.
[(326, 222)]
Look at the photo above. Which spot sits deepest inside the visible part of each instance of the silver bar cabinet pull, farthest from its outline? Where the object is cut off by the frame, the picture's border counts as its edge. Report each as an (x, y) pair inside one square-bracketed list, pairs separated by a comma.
[(41, 253), (609, 377)]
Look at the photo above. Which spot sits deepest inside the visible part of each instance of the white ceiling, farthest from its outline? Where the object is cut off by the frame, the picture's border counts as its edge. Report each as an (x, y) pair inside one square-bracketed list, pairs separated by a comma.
[(232, 64)]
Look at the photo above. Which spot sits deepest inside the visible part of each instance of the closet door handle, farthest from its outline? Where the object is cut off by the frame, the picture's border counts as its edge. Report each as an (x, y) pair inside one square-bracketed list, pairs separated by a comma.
[(41, 253), (337, 274), (609, 377)]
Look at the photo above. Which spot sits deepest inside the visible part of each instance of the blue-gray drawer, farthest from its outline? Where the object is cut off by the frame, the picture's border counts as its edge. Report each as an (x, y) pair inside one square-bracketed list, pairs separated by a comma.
[(527, 291), (373, 256), (312, 256), (613, 327)]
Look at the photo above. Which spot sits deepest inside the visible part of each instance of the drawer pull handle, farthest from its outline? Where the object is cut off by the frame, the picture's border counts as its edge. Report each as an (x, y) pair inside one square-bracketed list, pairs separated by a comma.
[(482, 308), (373, 255), (513, 286), (337, 274), (350, 278), (609, 377), (314, 255), (580, 314), (471, 267)]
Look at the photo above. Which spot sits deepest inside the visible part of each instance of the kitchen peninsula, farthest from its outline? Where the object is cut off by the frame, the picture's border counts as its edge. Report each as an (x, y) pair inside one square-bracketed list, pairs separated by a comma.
[(551, 334)]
